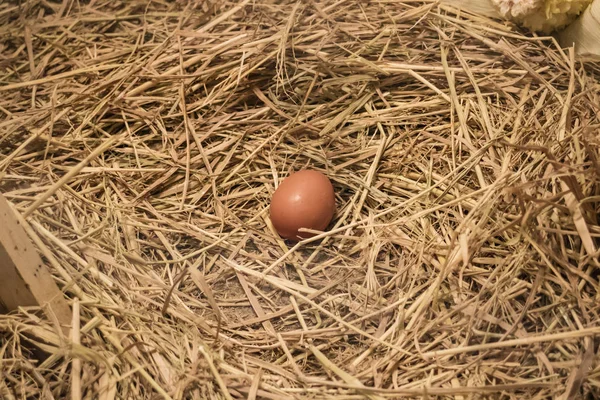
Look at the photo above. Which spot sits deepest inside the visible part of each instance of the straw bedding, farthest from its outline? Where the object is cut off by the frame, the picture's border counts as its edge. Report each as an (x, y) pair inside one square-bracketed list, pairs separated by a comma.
[(141, 142)]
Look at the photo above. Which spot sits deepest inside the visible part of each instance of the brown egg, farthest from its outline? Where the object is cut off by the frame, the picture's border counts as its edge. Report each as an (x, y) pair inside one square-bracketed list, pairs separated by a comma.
[(304, 199)]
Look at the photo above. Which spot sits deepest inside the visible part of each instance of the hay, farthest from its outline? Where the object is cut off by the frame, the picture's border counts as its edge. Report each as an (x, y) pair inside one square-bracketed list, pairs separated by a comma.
[(141, 142)]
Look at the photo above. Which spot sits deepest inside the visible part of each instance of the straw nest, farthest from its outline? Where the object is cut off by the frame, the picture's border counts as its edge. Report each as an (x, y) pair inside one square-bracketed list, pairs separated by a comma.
[(141, 142)]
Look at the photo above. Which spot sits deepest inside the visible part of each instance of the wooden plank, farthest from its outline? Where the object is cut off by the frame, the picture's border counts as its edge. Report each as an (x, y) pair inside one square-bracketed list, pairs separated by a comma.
[(24, 279), (584, 33)]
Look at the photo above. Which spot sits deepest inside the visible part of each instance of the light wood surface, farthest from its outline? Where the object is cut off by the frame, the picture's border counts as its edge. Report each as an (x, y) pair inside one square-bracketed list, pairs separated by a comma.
[(584, 32), (24, 279)]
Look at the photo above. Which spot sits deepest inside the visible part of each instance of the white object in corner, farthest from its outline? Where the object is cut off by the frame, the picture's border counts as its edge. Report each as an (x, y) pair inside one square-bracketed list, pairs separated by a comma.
[(584, 32)]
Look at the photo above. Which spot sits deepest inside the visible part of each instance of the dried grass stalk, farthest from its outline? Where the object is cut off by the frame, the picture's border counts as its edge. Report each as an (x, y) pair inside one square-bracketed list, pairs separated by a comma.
[(141, 143)]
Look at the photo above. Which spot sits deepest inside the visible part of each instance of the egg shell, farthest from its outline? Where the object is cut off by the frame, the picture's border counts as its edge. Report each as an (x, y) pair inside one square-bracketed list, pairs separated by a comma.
[(305, 199)]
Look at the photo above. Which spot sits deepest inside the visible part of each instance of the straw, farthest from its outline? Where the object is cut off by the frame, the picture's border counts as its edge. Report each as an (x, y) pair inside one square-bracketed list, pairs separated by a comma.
[(140, 145)]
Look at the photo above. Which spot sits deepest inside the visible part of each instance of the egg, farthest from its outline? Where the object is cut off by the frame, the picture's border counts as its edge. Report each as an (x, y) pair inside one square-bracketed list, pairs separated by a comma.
[(305, 199)]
